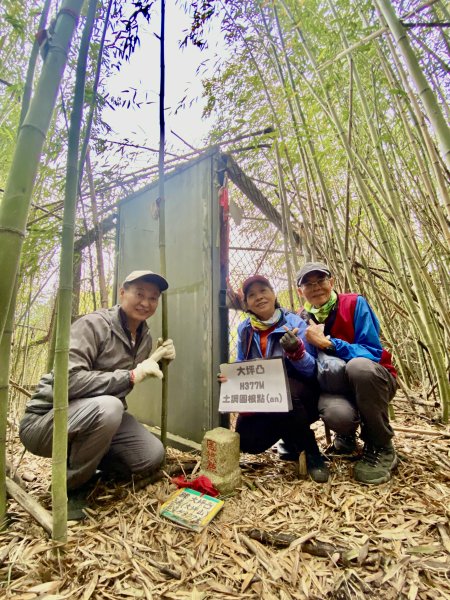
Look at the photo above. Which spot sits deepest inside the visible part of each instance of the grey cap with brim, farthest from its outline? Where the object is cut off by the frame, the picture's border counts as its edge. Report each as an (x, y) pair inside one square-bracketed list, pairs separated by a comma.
[(147, 276), (312, 267)]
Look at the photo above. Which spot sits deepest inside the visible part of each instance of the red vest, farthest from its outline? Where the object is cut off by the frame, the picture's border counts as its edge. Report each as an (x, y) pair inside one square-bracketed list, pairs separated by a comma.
[(343, 327)]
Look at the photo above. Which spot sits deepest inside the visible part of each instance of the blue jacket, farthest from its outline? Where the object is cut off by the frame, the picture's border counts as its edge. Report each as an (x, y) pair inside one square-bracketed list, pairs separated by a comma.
[(249, 347)]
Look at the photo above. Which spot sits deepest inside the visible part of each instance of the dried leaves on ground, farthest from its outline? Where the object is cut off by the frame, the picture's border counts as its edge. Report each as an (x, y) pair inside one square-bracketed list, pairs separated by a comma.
[(340, 541)]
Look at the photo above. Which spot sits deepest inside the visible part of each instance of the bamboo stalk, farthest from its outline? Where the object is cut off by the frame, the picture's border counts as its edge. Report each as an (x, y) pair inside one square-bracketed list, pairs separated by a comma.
[(15, 205), (162, 224), (287, 233), (323, 187), (98, 236), (94, 98), (277, 65), (348, 176), (60, 391), (5, 358), (85, 156), (417, 311), (368, 38), (19, 388), (28, 87), (414, 431), (440, 127), (415, 264), (39, 513), (424, 133)]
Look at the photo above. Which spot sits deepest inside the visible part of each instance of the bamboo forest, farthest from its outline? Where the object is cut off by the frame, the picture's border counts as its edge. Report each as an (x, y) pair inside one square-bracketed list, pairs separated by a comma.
[(161, 165)]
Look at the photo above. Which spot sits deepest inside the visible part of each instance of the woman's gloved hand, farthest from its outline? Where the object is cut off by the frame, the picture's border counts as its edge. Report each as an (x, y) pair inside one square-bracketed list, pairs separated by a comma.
[(292, 345), (147, 368)]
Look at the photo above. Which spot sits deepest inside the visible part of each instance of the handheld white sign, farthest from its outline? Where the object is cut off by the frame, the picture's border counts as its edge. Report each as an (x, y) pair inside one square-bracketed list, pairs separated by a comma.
[(255, 386)]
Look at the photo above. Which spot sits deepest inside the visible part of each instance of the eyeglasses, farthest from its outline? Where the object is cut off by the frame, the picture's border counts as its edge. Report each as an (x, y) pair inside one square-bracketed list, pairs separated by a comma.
[(310, 284), (141, 296)]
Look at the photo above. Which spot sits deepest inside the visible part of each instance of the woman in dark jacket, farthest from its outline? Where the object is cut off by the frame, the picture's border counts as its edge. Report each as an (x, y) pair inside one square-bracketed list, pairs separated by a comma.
[(268, 332)]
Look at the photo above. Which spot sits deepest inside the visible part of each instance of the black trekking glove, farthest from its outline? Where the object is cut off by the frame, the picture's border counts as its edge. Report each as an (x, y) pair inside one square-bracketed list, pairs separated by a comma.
[(290, 342)]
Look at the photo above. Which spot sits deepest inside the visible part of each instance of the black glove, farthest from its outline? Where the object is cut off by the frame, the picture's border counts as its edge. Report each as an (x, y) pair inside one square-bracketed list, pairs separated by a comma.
[(290, 342)]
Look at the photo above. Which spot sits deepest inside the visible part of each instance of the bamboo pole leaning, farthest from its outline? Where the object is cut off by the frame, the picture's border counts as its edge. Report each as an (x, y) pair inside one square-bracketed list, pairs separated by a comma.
[(431, 105), (419, 310), (15, 205), (99, 235), (85, 160), (28, 86), (60, 389), (286, 229), (424, 134), (414, 261), (326, 194), (289, 91)]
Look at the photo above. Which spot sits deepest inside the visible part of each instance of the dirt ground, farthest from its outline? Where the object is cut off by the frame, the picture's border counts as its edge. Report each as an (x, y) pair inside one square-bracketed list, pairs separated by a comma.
[(386, 542)]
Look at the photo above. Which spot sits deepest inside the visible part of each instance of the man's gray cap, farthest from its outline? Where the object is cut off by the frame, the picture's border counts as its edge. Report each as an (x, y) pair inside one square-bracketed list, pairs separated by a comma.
[(147, 276), (312, 267)]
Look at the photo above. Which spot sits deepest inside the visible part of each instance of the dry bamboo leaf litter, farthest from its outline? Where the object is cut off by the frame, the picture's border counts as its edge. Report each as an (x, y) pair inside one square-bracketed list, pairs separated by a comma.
[(395, 536)]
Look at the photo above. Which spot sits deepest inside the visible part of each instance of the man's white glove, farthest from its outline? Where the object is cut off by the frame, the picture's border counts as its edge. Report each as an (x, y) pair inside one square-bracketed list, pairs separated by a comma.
[(164, 349), (147, 368)]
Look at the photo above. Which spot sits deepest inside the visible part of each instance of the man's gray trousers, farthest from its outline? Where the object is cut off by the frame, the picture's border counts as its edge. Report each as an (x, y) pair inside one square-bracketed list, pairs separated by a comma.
[(369, 389), (101, 435)]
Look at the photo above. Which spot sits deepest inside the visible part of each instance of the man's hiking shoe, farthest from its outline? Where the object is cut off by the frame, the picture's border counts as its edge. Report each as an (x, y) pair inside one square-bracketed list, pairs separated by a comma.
[(344, 444), (376, 464), (317, 468), (287, 452), (77, 501)]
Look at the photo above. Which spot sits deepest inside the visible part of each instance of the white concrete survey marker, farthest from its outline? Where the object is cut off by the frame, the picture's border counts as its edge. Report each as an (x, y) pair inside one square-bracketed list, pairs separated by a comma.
[(220, 459), (255, 386)]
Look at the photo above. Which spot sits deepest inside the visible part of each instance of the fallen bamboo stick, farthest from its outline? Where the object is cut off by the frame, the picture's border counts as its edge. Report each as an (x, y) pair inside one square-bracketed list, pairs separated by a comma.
[(283, 540), (422, 431), (42, 516), (20, 388)]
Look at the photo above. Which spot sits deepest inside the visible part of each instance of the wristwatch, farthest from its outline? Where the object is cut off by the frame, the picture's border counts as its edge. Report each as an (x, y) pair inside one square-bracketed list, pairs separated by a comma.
[(330, 349)]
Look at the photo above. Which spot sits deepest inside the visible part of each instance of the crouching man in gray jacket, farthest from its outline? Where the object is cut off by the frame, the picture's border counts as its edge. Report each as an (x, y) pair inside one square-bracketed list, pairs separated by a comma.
[(109, 353)]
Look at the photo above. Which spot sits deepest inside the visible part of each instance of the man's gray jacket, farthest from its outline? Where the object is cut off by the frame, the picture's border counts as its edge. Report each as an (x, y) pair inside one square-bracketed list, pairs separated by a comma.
[(100, 359)]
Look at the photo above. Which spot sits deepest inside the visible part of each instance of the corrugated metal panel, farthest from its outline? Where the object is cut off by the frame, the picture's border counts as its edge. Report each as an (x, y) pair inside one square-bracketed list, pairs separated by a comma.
[(193, 272)]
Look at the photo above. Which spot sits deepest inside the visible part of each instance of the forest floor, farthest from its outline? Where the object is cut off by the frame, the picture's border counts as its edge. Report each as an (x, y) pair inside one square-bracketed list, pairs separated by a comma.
[(390, 541)]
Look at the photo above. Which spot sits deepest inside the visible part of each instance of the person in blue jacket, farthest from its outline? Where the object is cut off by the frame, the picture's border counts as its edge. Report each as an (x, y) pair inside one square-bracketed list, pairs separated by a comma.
[(345, 328), (271, 331)]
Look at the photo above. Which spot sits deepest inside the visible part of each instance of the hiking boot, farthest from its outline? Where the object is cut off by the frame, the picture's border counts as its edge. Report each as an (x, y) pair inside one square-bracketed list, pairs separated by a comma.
[(344, 444), (376, 464), (287, 451), (77, 501), (317, 468)]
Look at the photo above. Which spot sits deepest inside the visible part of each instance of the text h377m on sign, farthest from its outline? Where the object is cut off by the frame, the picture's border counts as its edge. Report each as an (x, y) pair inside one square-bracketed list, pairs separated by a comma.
[(255, 386)]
